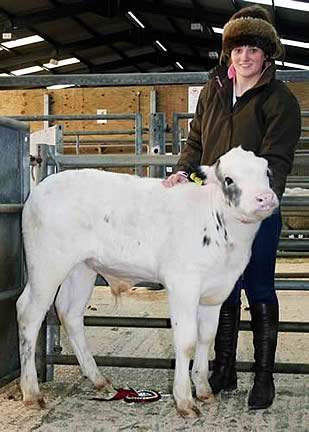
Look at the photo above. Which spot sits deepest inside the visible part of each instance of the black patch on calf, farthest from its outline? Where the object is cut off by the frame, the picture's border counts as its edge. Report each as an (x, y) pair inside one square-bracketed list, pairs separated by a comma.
[(232, 194), (219, 220), (106, 218), (231, 191), (206, 240), (220, 225)]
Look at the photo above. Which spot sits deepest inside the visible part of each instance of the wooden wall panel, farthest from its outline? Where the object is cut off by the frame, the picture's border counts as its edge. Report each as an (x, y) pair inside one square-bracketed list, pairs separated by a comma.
[(172, 99), (116, 100), (301, 91), (88, 100), (22, 102)]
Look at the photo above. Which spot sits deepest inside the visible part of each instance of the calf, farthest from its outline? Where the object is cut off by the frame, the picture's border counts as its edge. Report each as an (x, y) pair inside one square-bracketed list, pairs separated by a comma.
[(194, 240)]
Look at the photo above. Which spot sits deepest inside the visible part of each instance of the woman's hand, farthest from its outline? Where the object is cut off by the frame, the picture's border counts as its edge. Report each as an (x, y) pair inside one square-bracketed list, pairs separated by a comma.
[(179, 177)]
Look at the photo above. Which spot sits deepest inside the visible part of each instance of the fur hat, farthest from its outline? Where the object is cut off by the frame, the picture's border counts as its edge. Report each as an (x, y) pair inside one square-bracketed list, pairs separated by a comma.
[(251, 26)]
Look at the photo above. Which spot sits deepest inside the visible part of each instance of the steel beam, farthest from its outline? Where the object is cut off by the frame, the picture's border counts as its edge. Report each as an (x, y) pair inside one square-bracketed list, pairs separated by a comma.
[(102, 132), (95, 161), (127, 79), (57, 117)]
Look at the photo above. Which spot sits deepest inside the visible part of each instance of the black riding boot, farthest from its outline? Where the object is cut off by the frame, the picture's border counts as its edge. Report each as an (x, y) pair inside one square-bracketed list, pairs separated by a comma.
[(264, 324), (224, 373)]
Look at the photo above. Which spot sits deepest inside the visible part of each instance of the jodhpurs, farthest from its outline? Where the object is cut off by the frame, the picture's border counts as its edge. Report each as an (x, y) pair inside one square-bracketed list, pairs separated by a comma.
[(258, 279)]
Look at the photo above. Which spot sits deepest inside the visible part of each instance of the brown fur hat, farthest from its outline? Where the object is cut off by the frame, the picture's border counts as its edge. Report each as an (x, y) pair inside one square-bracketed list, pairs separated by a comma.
[(251, 26)]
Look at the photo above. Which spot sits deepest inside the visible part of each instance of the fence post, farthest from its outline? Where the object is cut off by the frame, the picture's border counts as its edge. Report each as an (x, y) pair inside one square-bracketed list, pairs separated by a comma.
[(157, 141), (138, 141)]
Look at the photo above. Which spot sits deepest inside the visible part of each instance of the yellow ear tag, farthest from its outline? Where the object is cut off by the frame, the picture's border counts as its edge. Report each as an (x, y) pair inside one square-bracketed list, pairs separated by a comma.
[(196, 179)]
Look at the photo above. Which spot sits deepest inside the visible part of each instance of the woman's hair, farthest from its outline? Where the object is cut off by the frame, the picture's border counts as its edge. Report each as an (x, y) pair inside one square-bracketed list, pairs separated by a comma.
[(251, 26)]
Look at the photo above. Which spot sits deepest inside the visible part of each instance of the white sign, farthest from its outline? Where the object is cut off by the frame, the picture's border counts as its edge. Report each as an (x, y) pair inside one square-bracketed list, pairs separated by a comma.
[(193, 95), (102, 111)]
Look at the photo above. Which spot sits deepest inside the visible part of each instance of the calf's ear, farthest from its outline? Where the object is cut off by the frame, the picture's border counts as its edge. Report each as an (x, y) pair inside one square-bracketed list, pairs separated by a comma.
[(205, 174), (210, 173)]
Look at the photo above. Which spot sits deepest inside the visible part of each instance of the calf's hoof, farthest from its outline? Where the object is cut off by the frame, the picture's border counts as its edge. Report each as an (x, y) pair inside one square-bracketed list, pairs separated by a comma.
[(188, 411), (107, 389), (35, 404), (104, 385), (207, 397)]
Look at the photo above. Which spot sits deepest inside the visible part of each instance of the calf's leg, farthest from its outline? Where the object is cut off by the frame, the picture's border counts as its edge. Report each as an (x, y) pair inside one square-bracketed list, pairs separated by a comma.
[(183, 312), (208, 316), (71, 302), (32, 306)]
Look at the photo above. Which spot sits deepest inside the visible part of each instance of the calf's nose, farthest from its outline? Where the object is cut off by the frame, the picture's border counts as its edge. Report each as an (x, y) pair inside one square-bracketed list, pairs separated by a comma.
[(266, 200)]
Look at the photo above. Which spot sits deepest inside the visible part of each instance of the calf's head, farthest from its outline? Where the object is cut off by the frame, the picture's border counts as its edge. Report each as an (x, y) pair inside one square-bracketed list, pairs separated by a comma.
[(244, 180)]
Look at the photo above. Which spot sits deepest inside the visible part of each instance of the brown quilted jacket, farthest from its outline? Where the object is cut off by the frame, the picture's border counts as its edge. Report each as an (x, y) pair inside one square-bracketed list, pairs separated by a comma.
[(266, 120)]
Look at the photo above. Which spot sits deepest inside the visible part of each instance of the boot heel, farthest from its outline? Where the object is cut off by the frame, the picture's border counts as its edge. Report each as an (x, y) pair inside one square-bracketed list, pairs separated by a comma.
[(263, 392), (264, 323), (230, 387), (223, 379)]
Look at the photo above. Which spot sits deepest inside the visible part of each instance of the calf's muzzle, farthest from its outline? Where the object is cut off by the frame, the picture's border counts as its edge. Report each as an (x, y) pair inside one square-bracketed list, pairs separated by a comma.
[(267, 201)]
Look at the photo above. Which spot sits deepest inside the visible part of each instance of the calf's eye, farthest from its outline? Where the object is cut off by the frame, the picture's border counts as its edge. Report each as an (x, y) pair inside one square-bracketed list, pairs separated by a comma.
[(228, 181)]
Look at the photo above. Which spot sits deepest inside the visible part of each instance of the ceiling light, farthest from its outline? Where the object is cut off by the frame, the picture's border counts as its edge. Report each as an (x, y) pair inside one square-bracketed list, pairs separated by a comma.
[(290, 4), (179, 65), (284, 41), (23, 41), (292, 65), (160, 45), (213, 55), (59, 86), (28, 70), (53, 61), (63, 62), (265, 2), (295, 43), (135, 19), (7, 35), (196, 26)]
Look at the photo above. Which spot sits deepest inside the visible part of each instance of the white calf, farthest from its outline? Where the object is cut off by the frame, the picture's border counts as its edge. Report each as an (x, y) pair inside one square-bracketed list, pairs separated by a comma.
[(194, 240)]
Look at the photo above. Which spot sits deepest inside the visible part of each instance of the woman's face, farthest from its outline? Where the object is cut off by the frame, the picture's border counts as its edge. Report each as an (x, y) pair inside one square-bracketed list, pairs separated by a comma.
[(248, 61)]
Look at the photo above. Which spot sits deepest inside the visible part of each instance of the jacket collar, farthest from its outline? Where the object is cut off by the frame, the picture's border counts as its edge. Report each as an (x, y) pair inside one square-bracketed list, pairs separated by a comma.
[(224, 82), (223, 75)]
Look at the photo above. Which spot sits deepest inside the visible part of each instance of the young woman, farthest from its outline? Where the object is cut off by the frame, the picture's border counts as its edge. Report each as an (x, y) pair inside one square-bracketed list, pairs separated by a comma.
[(243, 104)]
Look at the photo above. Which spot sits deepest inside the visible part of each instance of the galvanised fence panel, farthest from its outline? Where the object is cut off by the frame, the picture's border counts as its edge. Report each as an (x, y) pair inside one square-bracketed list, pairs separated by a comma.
[(14, 188)]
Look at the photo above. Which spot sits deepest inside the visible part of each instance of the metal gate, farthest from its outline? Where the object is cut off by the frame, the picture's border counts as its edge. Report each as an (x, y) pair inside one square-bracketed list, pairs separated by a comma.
[(14, 188)]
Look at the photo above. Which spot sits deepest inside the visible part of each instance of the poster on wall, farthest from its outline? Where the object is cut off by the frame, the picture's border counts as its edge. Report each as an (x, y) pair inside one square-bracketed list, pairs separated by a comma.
[(193, 95)]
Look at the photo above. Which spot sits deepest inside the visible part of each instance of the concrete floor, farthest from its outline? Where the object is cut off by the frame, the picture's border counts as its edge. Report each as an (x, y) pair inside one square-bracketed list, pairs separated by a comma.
[(68, 396)]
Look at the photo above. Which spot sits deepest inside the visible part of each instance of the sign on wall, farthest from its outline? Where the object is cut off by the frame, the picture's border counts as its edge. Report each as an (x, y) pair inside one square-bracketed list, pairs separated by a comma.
[(193, 95)]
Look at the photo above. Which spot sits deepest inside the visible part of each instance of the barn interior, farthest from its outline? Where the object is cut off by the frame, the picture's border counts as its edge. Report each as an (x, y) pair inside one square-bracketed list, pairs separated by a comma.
[(112, 85)]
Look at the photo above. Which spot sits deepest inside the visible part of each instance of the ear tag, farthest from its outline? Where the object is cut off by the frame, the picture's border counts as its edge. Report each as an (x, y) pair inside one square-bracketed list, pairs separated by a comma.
[(196, 179)]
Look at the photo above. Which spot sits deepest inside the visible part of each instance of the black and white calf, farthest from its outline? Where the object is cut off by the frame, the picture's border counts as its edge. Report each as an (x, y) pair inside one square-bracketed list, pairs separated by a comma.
[(194, 240)]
